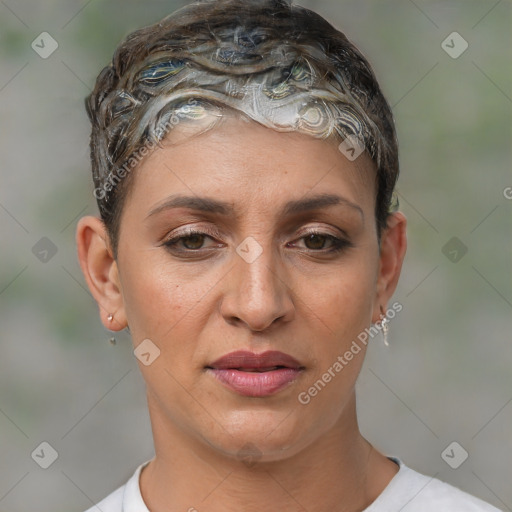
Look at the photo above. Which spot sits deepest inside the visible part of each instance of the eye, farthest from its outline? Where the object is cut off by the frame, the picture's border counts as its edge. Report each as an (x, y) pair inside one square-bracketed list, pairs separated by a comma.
[(191, 240), (315, 241)]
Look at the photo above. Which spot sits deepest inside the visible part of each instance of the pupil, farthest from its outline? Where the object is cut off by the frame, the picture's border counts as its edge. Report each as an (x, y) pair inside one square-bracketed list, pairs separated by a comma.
[(318, 238), (196, 239)]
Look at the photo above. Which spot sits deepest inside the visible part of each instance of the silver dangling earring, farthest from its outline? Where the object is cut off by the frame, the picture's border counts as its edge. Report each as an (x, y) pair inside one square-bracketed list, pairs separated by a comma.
[(110, 317), (385, 328)]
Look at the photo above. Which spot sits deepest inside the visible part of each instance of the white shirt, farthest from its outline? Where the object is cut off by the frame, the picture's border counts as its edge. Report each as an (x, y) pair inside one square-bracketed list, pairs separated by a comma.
[(408, 491)]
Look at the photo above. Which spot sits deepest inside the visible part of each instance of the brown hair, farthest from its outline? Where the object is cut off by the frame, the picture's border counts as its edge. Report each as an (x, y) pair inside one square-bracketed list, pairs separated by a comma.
[(280, 64)]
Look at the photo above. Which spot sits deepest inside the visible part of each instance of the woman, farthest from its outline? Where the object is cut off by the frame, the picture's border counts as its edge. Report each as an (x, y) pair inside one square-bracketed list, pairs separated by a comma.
[(244, 160)]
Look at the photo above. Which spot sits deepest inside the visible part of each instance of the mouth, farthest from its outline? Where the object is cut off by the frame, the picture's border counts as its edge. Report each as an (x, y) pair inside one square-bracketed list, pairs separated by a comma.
[(256, 375), (244, 360), (257, 370)]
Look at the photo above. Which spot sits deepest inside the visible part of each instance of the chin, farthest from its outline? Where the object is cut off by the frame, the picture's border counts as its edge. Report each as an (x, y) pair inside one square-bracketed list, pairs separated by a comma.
[(263, 436)]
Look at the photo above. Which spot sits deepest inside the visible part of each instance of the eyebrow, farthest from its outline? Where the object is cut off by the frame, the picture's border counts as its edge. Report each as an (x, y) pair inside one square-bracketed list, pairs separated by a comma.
[(214, 206)]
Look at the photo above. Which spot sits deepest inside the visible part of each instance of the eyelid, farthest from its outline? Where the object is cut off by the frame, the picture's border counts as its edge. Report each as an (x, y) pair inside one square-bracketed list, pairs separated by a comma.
[(338, 243), (322, 231), (215, 233), (190, 231)]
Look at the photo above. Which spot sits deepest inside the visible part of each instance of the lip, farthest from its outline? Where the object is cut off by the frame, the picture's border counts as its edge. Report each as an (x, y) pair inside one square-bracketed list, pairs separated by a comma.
[(256, 375)]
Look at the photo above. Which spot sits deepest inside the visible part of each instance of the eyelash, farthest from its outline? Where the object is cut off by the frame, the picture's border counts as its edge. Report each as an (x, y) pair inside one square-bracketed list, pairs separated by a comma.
[(338, 244)]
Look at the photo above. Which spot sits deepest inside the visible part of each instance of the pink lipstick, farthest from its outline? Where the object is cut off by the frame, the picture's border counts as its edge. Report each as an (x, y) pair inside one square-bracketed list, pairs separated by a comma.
[(256, 375)]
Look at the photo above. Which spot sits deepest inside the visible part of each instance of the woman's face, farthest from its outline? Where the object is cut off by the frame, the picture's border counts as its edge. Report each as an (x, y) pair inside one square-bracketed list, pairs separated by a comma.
[(255, 279)]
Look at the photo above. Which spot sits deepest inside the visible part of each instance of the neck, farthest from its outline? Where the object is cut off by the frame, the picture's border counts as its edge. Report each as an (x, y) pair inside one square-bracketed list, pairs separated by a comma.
[(339, 471)]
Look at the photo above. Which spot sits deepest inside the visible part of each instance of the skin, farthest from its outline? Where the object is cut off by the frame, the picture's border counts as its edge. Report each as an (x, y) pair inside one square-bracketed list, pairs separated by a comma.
[(296, 297)]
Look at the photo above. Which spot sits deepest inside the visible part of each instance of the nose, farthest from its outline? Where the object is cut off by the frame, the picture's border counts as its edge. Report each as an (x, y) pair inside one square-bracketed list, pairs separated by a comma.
[(257, 293)]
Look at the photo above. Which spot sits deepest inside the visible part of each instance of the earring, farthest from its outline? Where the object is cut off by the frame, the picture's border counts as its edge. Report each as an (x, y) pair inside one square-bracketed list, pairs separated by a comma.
[(385, 327), (110, 317)]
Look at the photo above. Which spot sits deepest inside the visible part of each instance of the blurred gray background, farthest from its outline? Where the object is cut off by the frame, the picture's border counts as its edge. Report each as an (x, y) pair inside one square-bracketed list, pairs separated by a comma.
[(446, 376)]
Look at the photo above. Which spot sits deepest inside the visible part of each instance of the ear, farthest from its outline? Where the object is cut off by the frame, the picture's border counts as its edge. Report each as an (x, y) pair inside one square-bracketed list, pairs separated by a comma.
[(392, 252), (100, 271)]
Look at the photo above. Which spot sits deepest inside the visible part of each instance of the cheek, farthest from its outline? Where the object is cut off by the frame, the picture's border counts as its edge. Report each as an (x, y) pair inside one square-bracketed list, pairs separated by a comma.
[(343, 304), (171, 307), (156, 297), (344, 298)]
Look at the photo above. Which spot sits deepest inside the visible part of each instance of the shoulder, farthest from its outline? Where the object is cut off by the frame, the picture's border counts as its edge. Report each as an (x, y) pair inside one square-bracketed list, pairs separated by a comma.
[(411, 491), (438, 495)]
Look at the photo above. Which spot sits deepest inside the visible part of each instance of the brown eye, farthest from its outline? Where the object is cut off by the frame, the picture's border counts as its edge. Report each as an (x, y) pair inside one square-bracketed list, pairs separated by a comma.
[(194, 241), (188, 241), (315, 241)]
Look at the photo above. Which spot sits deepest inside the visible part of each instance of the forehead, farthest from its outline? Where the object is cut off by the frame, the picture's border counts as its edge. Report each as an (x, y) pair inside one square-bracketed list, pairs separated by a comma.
[(249, 164)]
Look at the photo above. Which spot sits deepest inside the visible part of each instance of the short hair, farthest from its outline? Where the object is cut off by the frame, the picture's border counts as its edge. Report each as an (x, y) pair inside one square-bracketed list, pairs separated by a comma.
[(282, 65)]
